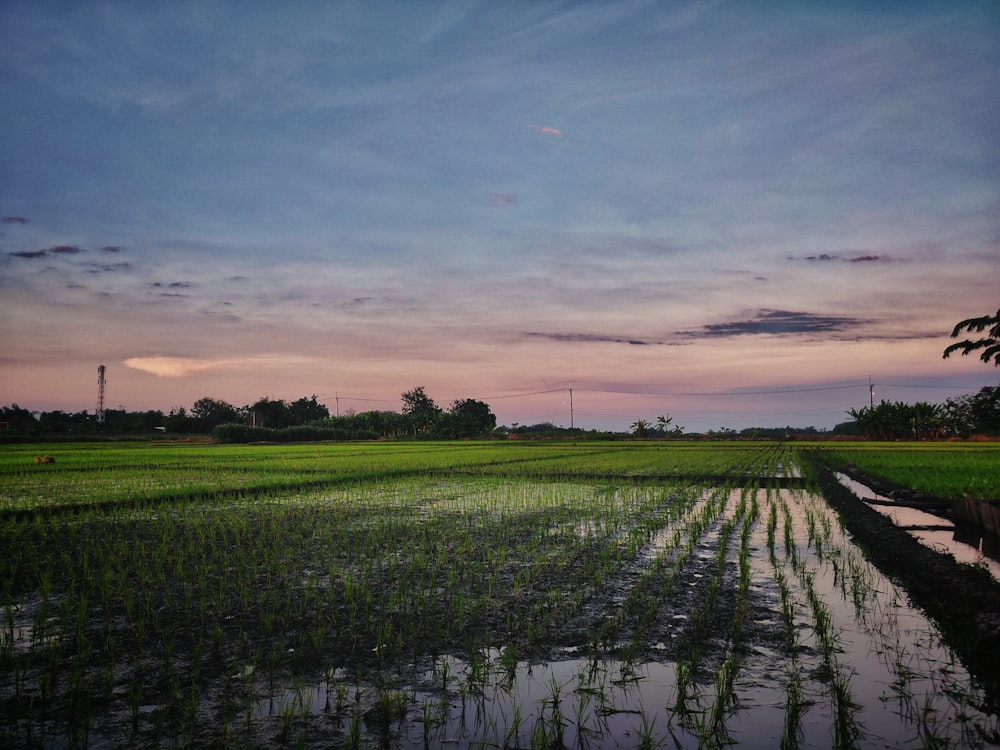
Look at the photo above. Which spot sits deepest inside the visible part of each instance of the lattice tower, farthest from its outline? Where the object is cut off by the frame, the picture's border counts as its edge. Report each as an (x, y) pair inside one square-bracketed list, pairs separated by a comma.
[(100, 394)]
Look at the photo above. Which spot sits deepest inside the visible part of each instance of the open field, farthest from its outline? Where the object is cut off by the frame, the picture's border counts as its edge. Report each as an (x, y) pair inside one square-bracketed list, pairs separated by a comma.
[(467, 594)]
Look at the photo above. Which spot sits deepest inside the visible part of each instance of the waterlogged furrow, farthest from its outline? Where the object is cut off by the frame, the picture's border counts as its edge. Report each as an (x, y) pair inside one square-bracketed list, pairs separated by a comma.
[(850, 652), (650, 579)]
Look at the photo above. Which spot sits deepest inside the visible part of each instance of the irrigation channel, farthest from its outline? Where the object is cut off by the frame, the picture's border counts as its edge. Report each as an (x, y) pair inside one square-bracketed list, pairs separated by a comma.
[(933, 529), (476, 609)]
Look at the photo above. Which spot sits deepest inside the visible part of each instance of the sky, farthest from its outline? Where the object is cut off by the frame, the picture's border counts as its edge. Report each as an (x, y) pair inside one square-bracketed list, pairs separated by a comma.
[(735, 214)]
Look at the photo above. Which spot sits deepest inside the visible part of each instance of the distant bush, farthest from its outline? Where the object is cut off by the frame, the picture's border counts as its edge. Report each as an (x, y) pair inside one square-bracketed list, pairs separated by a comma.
[(241, 433)]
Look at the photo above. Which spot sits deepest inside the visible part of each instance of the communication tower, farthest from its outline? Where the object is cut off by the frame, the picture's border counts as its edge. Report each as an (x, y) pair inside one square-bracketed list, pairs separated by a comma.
[(100, 394)]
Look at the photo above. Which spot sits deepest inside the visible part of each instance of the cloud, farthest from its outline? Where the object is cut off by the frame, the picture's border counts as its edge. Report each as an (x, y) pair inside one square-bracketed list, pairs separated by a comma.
[(179, 367), (109, 267), (29, 254), (589, 338), (545, 130), (174, 367), (778, 322), (835, 257), (14, 220), (64, 249), (111, 249)]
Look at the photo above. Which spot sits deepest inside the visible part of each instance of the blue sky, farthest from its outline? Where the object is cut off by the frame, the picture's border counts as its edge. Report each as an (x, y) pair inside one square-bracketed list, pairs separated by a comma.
[(733, 213)]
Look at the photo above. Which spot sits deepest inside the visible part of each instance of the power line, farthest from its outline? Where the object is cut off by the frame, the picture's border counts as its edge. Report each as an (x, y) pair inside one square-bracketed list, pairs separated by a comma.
[(519, 395), (918, 385), (713, 394), (352, 398)]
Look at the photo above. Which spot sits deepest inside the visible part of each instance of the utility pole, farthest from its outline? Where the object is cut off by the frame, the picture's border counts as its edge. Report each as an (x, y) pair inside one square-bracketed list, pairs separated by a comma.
[(871, 393), (337, 396), (571, 408)]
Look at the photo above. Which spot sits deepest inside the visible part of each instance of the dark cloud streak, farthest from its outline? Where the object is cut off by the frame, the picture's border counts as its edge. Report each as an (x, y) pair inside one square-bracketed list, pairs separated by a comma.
[(174, 284), (589, 338), (777, 322), (835, 257), (109, 267)]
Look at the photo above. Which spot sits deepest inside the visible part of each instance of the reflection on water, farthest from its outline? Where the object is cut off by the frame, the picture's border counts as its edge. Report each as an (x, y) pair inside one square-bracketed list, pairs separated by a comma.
[(901, 686), (965, 542)]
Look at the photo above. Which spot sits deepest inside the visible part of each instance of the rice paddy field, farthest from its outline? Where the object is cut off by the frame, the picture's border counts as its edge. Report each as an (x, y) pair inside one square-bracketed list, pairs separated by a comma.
[(468, 595)]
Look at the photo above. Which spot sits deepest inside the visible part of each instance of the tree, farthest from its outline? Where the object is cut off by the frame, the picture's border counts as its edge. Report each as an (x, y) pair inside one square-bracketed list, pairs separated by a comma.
[(989, 344), (306, 410), (177, 420), (468, 418), (211, 412), (974, 413), (16, 418), (640, 428), (270, 413), (419, 409), (896, 420)]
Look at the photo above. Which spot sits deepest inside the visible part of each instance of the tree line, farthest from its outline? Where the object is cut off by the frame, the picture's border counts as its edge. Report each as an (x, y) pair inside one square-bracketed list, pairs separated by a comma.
[(305, 418), (962, 416)]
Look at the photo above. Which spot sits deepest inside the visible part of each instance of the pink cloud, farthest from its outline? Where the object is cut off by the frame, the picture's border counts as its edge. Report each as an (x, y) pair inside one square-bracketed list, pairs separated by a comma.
[(545, 129), (179, 367)]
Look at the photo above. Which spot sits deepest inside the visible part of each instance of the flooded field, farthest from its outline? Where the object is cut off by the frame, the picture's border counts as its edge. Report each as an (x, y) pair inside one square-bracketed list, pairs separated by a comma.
[(827, 654), (483, 609)]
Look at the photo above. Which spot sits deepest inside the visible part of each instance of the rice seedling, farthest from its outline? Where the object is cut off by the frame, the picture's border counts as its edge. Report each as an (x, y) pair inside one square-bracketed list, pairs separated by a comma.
[(795, 706)]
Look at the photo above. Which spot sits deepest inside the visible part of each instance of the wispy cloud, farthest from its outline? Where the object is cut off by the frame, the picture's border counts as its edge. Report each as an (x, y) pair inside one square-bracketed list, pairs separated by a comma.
[(545, 130), (179, 367), (15, 220)]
